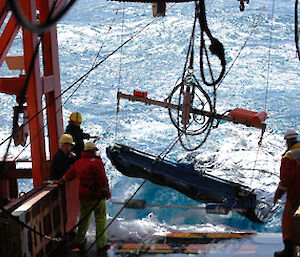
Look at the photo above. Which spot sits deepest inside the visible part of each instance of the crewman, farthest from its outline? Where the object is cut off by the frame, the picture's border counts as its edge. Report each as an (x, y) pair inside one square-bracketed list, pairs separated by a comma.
[(63, 158), (289, 184), (77, 133), (93, 190)]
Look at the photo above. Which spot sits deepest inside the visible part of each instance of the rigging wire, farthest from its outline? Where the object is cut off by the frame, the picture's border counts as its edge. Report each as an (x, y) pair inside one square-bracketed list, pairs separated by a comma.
[(297, 30), (24, 89), (165, 152), (89, 71), (216, 47), (81, 79), (190, 82), (24, 225), (69, 97), (239, 53), (8, 213), (269, 55), (267, 83), (40, 28), (120, 75)]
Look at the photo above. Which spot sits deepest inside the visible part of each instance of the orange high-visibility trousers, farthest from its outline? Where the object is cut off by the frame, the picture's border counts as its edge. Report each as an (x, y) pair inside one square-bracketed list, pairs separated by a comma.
[(287, 222)]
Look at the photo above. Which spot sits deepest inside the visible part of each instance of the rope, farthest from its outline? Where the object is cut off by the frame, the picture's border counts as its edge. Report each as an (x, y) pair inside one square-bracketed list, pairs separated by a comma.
[(167, 206), (267, 85), (120, 76), (38, 28), (296, 30), (69, 97), (216, 47), (239, 53), (81, 79), (24, 90), (24, 225), (8, 213), (84, 76), (158, 157), (269, 55)]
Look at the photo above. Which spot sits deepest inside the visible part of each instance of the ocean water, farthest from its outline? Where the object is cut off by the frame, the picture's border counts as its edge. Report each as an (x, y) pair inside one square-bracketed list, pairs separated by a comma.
[(264, 77)]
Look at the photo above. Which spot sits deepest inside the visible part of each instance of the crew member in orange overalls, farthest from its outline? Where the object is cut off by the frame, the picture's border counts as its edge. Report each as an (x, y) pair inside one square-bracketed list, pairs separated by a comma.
[(93, 189), (289, 184)]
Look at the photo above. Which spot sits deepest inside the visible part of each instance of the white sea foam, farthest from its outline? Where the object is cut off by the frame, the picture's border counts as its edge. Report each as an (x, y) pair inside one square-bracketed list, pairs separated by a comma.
[(153, 61)]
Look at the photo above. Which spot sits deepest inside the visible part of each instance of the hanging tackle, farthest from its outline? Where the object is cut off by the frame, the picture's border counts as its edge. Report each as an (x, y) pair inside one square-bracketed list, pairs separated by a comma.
[(237, 115), (192, 109)]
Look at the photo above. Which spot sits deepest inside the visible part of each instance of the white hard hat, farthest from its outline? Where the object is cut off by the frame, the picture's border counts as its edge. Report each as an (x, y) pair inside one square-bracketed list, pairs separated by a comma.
[(290, 134)]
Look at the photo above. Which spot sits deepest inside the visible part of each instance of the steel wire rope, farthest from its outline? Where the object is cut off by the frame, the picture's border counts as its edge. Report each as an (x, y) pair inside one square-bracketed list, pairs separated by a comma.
[(218, 84), (239, 53), (120, 76), (216, 47), (22, 100), (40, 28), (69, 97), (237, 57), (24, 225), (82, 78), (165, 152), (187, 77), (24, 89), (51, 118), (297, 30), (267, 82), (88, 72)]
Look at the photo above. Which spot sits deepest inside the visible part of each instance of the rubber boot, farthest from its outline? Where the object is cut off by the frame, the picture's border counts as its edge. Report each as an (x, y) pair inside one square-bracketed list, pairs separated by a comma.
[(287, 251)]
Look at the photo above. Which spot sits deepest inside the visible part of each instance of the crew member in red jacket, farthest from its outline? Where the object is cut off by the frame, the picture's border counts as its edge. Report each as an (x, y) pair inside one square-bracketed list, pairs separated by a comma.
[(289, 184), (93, 188)]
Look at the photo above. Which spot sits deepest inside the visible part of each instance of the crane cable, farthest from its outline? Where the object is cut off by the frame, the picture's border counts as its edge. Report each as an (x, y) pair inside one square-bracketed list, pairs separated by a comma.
[(24, 89), (69, 97), (40, 28), (8, 213), (297, 30), (165, 152), (120, 76), (216, 47), (80, 79), (267, 85), (88, 72)]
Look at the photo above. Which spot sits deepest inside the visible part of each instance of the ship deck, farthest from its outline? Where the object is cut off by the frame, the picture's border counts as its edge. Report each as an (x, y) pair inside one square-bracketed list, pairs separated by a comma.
[(200, 244)]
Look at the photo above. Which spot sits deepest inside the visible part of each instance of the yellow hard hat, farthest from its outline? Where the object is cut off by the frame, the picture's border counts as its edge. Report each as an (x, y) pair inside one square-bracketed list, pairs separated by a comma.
[(76, 116), (66, 139), (90, 146)]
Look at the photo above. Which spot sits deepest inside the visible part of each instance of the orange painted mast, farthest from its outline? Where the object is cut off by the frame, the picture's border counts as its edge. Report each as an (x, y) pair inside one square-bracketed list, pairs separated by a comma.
[(42, 84)]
